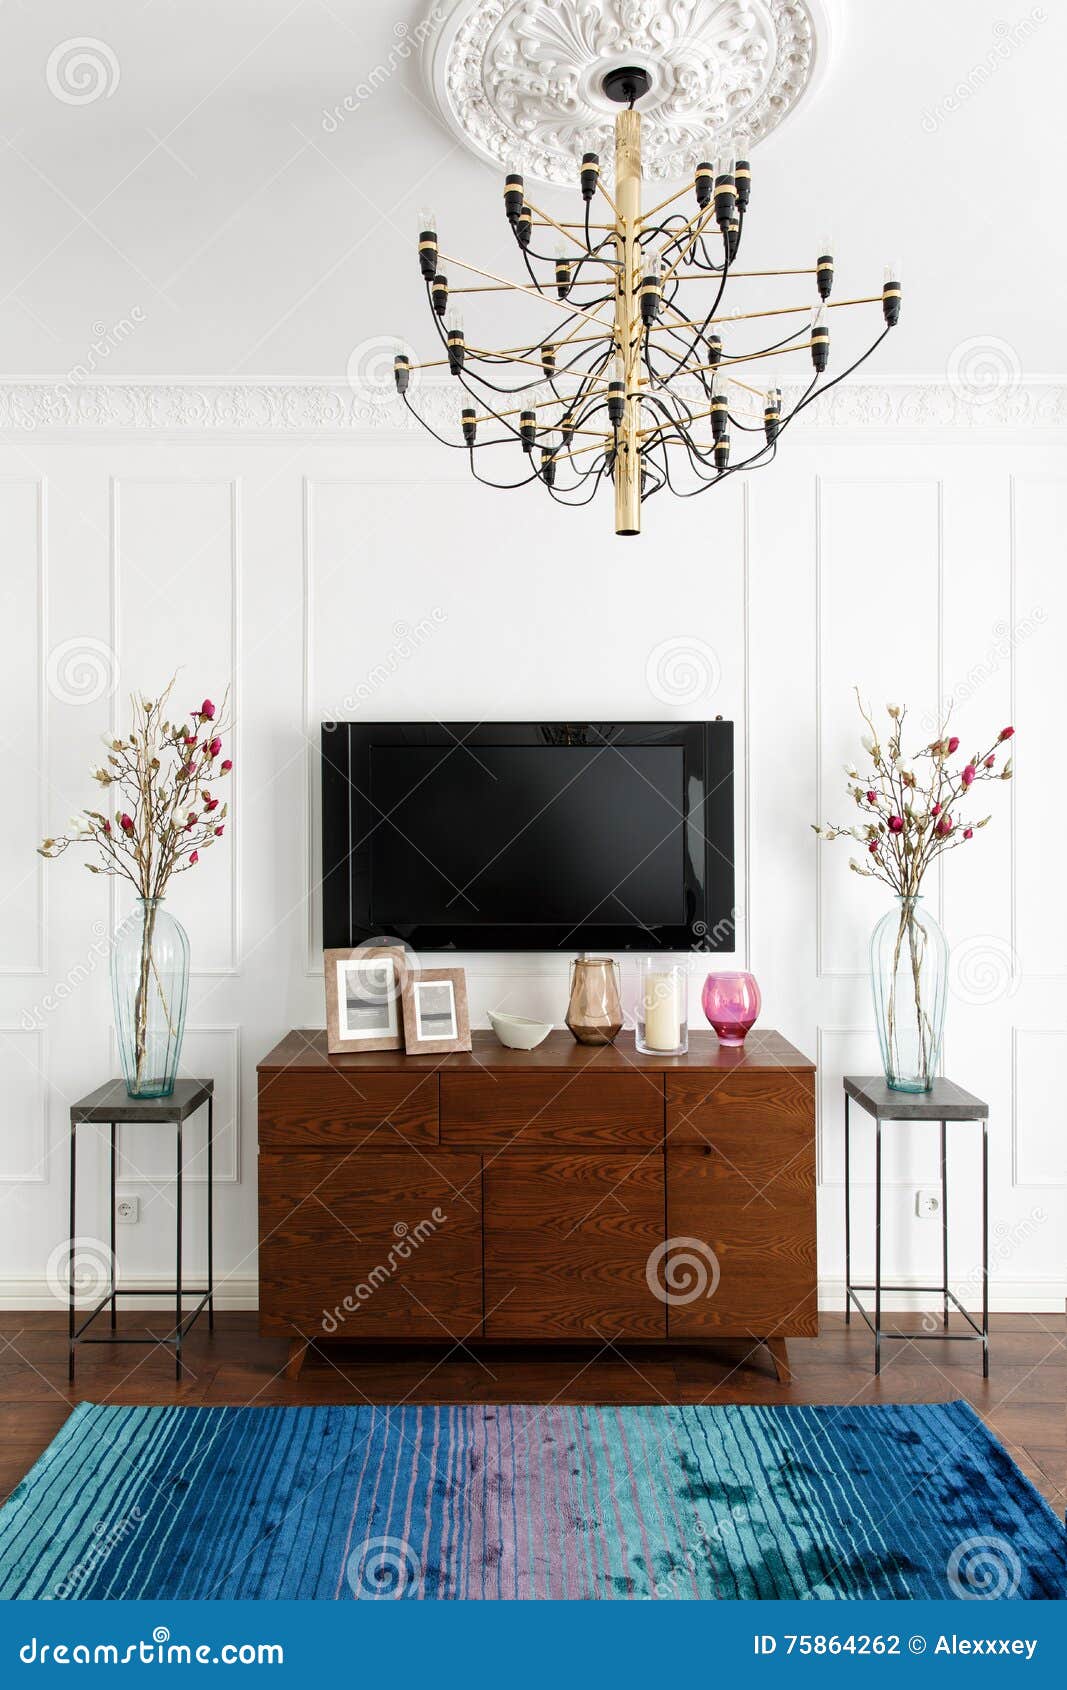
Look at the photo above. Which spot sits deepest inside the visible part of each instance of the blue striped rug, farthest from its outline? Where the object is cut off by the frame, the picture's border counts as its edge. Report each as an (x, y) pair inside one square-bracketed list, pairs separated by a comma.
[(515, 1502)]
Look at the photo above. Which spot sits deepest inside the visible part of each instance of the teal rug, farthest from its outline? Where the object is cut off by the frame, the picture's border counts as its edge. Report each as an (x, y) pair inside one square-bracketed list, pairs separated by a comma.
[(517, 1502)]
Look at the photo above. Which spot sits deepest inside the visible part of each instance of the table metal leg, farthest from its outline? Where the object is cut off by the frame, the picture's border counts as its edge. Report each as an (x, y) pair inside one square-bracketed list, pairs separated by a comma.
[(878, 1248), (848, 1225), (114, 1260), (985, 1250), (70, 1261), (944, 1225), (178, 1268), (210, 1217)]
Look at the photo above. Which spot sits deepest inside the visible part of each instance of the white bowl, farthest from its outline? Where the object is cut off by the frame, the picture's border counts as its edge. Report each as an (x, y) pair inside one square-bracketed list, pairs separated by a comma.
[(518, 1032)]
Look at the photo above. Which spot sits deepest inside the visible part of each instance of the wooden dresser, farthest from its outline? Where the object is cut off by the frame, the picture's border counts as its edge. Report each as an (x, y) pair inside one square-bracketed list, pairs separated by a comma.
[(572, 1193)]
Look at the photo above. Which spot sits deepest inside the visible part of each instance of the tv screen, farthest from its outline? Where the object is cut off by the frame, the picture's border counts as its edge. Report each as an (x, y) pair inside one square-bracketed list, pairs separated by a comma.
[(527, 836)]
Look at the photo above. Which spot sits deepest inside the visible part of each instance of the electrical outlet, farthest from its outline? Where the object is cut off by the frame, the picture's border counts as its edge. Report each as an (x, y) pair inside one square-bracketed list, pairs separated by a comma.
[(128, 1211), (927, 1203)]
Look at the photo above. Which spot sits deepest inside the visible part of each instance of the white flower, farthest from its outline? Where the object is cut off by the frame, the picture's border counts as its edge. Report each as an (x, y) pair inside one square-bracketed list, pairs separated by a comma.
[(853, 774), (894, 710), (869, 745)]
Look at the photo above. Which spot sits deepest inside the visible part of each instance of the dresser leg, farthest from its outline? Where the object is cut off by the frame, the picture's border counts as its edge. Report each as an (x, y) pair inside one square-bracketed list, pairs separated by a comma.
[(298, 1349), (780, 1357)]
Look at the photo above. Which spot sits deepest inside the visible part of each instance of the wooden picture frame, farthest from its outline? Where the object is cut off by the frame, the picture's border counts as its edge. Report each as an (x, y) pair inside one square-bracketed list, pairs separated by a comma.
[(368, 1019), (436, 1015)]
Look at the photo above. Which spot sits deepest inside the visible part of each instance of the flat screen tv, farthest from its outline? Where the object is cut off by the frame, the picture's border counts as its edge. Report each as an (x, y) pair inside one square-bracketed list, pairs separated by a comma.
[(528, 835)]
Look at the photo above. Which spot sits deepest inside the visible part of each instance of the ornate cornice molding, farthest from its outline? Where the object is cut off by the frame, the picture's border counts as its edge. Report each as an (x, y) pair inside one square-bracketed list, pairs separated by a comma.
[(519, 81), (324, 409)]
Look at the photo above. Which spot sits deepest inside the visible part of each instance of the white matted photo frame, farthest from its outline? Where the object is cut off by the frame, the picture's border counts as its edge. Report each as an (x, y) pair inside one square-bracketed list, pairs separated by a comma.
[(436, 1016), (364, 987)]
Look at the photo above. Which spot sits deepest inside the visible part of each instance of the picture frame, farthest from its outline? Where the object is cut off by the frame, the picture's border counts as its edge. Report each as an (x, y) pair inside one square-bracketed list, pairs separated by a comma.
[(436, 1013), (364, 988)]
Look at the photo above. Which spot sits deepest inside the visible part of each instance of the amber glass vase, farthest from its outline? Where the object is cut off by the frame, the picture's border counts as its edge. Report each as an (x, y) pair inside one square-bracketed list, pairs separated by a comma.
[(594, 1013)]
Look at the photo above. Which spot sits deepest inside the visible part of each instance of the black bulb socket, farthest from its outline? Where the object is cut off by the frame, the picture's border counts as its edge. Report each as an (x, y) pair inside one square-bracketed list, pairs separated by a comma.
[(824, 275), (528, 430), (566, 428), (733, 237), (703, 182), (719, 416), (514, 195), (590, 174), (771, 420), (457, 350), (722, 452), (564, 277), (428, 254), (523, 226), (743, 182), (439, 294), (714, 346), (548, 358), (820, 348), (725, 200), (469, 424), (401, 371), (891, 304), (548, 465), (650, 299), (616, 402)]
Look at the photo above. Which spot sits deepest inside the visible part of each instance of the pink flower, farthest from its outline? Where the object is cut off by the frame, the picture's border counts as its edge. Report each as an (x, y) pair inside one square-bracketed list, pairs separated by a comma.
[(968, 833), (968, 774), (873, 847), (936, 810), (207, 711), (214, 747), (988, 764), (107, 827), (190, 739), (896, 824), (211, 804), (188, 769), (944, 827), (126, 823), (218, 830), (194, 856), (872, 797), (226, 765), (953, 745), (1006, 733)]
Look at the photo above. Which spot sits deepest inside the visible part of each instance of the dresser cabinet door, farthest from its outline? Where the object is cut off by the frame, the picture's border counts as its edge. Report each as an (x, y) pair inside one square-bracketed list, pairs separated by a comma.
[(370, 1244), (567, 1245), (741, 1204)]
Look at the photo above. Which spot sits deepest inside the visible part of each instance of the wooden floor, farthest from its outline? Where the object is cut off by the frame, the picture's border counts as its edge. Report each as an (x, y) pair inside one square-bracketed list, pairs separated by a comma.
[(1022, 1401)]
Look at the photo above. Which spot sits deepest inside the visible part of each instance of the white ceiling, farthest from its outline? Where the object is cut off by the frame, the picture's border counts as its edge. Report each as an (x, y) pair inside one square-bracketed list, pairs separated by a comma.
[(205, 202)]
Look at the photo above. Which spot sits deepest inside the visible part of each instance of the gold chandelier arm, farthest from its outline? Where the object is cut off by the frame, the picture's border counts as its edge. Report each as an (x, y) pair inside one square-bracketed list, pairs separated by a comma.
[(590, 257), (696, 226), (517, 287), (778, 311), (647, 216)]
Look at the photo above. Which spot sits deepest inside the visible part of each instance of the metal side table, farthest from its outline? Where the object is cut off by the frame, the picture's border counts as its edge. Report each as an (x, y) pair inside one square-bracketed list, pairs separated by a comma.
[(112, 1106), (944, 1102)]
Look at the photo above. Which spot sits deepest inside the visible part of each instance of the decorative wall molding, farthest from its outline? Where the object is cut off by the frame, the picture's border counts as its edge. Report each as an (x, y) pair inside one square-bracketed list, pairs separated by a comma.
[(519, 81), (325, 409)]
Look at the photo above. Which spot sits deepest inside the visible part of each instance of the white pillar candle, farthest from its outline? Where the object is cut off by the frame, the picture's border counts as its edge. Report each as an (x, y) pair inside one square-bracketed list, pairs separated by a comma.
[(663, 1020)]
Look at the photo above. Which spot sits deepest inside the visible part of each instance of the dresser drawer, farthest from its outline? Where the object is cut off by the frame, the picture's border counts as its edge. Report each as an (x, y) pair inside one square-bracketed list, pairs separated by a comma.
[(490, 1110), (304, 1107), (726, 1109)]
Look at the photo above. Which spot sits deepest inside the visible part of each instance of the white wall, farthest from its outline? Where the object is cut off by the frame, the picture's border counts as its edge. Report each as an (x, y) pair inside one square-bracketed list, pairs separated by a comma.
[(301, 545)]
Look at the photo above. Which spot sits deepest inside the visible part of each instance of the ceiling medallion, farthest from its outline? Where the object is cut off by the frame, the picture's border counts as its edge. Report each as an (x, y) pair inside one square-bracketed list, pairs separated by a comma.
[(522, 82)]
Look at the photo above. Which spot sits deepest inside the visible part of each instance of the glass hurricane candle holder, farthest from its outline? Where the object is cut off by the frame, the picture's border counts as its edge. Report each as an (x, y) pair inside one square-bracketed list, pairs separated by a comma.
[(732, 1004), (662, 1018)]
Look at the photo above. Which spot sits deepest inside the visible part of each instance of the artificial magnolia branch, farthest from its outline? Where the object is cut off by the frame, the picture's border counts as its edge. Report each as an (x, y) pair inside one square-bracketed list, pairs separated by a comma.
[(163, 772), (913, 818)]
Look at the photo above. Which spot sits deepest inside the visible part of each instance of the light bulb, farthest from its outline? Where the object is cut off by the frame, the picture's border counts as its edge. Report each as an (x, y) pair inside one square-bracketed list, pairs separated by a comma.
[(892, 271), (455, 321), (618, 368), (652, 265), (817, 315), (826, 246), (426, 220)]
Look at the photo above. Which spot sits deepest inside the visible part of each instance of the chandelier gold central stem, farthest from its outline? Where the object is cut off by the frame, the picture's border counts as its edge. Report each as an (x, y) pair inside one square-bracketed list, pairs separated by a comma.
[(627, 319)]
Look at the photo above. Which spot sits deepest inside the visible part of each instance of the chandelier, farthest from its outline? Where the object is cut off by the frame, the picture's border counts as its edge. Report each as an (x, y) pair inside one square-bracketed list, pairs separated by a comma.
[(636, 377)]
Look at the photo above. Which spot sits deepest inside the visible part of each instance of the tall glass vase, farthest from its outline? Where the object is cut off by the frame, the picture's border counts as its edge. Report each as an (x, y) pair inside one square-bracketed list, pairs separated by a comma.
[(909, 975), (149, 987)]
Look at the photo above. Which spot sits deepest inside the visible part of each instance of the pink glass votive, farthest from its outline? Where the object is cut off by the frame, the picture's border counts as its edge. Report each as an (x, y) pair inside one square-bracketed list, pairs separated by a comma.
[(732, 1004)]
